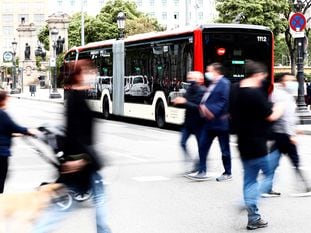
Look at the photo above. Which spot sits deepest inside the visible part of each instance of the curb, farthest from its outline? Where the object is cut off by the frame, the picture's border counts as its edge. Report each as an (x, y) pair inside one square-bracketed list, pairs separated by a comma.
[(61, 101)]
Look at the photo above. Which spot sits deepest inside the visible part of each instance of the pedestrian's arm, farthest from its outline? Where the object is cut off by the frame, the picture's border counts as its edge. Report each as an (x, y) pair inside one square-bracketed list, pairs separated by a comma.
[(184, 102), (277, 111), (205, 112), (15, 128)]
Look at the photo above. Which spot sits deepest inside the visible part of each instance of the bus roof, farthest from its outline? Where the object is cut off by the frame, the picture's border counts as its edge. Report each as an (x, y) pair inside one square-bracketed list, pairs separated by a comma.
[(177, 31)]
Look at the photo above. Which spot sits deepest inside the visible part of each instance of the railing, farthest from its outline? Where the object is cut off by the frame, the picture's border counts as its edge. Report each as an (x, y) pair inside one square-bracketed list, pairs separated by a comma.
[(280, 69)]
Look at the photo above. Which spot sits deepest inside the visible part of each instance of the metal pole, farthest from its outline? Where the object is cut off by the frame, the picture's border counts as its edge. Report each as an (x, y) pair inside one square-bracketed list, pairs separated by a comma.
[(302, 110), (54, 94), (187, 12), (14, 74), (22, 79), (82, 23), (300, 74)]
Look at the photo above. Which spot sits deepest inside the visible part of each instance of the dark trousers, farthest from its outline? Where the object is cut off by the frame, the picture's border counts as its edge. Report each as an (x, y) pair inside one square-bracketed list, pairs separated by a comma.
[(283, 145), (4, 163), (206, 140), (185, 134)]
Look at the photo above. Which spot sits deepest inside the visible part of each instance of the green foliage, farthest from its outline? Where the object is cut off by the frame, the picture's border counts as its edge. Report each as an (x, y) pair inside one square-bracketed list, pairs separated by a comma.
[(269, 13), (281, 54), (104, 25), (43, 37), (38, 62)]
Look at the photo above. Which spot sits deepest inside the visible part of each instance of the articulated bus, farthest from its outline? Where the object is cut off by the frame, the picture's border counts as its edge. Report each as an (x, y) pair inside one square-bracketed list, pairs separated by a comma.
[(139, 75)]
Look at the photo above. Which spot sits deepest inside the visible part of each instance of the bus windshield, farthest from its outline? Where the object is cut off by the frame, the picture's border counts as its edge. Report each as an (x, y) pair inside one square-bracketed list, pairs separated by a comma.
[(233, 47)]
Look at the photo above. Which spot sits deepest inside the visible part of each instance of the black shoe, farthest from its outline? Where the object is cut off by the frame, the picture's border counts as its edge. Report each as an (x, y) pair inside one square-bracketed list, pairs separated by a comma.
[(271, 194), (260, 223)]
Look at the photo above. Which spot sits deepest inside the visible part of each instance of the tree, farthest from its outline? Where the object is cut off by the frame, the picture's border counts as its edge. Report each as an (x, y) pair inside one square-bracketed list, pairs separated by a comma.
[(290, 41), (274, 14), (261, 12), (104, 25), (136, 21), (43, 37)]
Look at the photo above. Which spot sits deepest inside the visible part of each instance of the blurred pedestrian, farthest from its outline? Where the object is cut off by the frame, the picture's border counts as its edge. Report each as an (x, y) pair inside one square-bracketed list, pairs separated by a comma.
[(193, 121), (7, 128), (284, 129), (82, 173), (252, 114), (214, 108)]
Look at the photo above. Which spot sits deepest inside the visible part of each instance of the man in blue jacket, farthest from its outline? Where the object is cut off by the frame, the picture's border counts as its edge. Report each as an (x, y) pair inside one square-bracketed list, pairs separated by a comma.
[(214, 108)]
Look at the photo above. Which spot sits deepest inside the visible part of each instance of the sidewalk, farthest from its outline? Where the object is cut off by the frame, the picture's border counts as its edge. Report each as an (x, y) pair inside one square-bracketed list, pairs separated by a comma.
[(43, 95)]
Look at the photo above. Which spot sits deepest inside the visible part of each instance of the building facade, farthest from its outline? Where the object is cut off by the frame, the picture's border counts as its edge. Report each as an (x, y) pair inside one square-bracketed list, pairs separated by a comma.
[(13, 13), (169, 13), (179, 13)]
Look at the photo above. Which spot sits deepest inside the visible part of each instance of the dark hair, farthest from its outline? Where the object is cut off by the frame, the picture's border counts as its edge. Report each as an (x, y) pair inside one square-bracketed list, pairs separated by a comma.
[(3, 96), (278, 77), (218, 67), (75, 70), (252, 67)]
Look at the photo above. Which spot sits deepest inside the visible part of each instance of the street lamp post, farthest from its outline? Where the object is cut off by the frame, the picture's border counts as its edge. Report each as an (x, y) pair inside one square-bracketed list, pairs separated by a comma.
[(14, 47), (302, 109), (121, 24), (54, 93)]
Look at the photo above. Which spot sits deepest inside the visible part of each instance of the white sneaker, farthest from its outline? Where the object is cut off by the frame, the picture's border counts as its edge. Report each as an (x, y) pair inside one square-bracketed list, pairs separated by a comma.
[(199, 176)]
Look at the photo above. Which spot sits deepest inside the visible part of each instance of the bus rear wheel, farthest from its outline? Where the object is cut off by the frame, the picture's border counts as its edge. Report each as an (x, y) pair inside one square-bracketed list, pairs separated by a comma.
[(160, 114), (105, 108)]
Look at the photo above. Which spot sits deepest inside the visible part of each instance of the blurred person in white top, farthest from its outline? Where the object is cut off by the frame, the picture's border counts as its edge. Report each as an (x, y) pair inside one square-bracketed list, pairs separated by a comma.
[(284, 129)]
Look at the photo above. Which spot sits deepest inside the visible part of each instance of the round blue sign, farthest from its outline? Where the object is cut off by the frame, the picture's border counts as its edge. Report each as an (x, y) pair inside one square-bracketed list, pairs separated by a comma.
[(297, 22)]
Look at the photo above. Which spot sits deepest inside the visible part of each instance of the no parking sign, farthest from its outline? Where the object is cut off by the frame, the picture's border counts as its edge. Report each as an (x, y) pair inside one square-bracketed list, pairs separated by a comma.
[(297, 23)]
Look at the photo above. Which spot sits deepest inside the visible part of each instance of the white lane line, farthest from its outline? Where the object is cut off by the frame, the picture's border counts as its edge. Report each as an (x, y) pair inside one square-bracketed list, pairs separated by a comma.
[(134, 157), (150, 178)]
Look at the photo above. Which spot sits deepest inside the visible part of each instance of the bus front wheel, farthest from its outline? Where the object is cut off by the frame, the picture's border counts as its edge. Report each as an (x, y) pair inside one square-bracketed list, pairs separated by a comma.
[(160, 114), (106, 108)]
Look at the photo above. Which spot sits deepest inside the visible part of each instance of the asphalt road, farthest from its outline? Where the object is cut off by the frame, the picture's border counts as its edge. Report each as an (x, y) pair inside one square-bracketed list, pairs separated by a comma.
[(146, 192)]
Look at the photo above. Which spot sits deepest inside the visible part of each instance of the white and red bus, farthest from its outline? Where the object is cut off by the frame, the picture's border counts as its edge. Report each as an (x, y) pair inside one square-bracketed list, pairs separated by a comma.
[(138, 76)]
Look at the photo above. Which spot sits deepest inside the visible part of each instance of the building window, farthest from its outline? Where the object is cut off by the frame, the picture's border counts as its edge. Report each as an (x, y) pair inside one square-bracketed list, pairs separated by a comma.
[(38, 19), (151, 2), (26, 18), (101, 2), (164, 2), (176, 15), (72, 3), (200, 15), (151, 14), (139, 3), (7, 19), (59, 3), (200, 3), (164, 16), (7, 30), (176, 2)]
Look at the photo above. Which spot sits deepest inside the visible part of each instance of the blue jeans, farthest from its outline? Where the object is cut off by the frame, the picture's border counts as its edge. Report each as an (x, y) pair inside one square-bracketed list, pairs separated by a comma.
[(53, 214), (206, 140), (274, 161), (251, 187)]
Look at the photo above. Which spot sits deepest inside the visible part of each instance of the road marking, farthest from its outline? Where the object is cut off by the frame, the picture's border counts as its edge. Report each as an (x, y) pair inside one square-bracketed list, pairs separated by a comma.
[(125, 154), (150, 178)]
